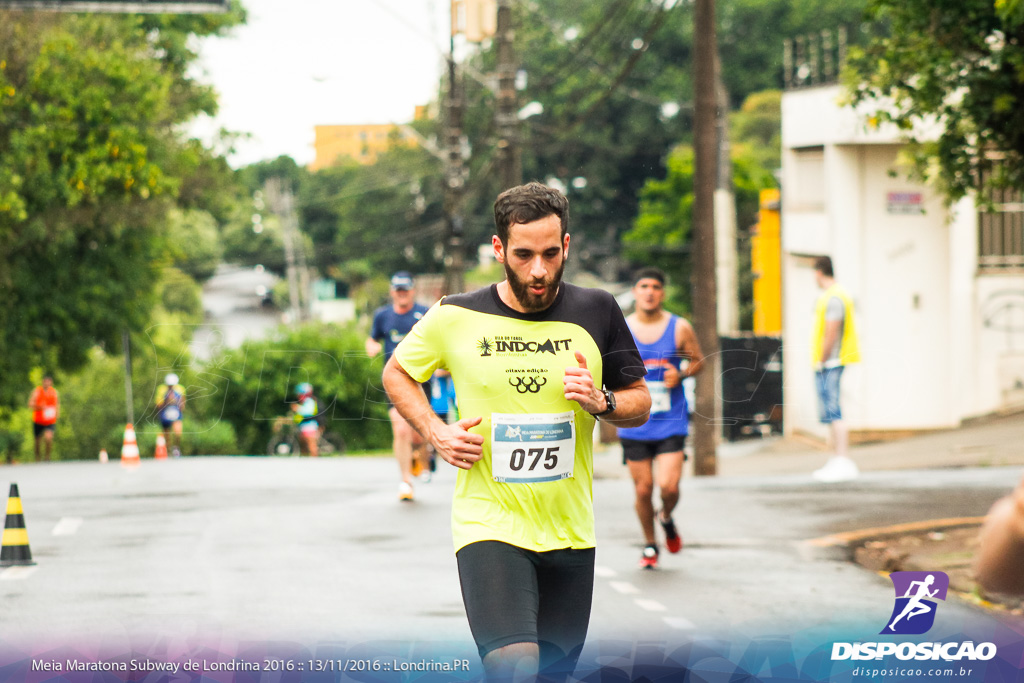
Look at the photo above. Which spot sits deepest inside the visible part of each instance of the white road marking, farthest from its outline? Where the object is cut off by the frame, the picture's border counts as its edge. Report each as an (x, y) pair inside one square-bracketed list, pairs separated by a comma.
[(651, 605), (67, 526), (605, 572), (15, 573), (624, 587), (681, 623)]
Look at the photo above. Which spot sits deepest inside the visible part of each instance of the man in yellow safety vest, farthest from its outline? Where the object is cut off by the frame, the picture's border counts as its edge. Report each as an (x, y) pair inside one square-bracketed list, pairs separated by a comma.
[(833, 347)]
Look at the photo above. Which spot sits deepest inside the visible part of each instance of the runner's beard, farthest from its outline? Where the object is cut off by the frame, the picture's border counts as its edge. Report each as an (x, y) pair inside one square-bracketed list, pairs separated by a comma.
[(529, 301)]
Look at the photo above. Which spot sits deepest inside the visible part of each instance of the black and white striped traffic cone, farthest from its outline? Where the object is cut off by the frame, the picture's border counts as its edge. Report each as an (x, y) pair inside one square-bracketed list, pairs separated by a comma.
[(14, 546)]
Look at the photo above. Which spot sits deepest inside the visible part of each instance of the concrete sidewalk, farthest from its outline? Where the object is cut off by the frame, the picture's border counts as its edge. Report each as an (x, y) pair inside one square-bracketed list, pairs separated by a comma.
[(987, 442)]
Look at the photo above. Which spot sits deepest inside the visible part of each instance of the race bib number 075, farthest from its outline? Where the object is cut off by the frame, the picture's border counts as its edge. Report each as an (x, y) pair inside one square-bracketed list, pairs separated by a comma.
[(528, 449)]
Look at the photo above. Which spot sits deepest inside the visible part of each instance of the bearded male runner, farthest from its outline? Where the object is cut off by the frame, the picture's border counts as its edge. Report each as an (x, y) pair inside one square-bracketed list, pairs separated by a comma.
[(535, 362)]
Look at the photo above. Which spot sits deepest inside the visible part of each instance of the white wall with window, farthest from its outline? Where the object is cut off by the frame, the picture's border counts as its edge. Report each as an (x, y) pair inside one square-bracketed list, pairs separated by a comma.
[(938, 291)]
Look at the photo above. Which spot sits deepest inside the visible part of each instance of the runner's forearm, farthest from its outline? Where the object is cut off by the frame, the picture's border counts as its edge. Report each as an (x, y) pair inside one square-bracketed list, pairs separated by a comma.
[(632, 406), (409, 400)]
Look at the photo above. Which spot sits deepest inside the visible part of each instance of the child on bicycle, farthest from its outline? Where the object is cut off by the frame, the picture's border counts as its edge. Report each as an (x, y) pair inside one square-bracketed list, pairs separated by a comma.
[(305, 417)]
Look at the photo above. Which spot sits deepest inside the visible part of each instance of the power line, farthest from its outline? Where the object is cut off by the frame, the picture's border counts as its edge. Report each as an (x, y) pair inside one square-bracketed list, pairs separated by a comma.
[(581, 51), (627, 68), (367, 189), (593, 65)]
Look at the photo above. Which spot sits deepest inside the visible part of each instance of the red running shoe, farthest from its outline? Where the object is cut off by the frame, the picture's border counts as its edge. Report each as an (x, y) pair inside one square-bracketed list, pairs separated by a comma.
[(649, 560), (673, 541)]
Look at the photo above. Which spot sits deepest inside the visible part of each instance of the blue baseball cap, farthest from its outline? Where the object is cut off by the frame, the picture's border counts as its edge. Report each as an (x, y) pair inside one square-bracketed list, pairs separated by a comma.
[(401, 280)]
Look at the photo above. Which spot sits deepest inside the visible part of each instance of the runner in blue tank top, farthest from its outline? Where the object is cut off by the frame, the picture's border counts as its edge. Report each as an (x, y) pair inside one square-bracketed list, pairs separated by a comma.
[(669, 347)]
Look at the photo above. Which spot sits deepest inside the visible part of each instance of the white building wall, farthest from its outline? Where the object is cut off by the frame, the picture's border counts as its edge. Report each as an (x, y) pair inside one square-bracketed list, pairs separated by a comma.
[(904, 302), (999, 346), (940, 341), (800, 411), (965, 394), (844, 170)]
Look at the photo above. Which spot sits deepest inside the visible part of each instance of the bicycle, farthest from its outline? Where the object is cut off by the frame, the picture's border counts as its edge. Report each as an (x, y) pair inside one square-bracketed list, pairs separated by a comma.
[(286, 440)]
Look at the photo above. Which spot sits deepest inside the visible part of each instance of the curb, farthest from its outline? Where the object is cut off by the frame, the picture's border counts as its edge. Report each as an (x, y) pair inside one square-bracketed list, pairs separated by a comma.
[(850, 538)]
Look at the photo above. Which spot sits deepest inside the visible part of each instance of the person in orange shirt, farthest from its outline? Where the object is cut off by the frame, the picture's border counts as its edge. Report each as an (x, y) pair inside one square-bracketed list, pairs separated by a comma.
[(45, 405)]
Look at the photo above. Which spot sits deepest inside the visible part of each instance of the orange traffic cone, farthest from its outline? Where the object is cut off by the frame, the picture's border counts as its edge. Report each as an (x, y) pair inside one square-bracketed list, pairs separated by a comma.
[(130, 449), (14, 548), (161, 448)]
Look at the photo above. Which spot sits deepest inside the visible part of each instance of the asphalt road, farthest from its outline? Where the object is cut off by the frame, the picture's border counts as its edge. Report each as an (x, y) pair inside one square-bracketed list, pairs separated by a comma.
[(311, 551)]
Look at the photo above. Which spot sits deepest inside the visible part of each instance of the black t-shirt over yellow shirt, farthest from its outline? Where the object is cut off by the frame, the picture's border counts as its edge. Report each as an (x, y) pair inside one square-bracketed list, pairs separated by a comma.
[(533, 488)]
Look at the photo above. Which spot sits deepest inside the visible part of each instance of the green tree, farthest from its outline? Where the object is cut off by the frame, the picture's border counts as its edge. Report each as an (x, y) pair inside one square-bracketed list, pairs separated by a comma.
[(757, 125), (375, 218), (750, 35), (661, 234), (958, 64), (284, 168), (615, 81), (92, 161), (248, 243), (194, 242)]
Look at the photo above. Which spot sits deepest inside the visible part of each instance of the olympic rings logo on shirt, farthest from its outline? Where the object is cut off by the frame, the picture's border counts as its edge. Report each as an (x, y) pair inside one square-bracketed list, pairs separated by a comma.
[(531, 384)]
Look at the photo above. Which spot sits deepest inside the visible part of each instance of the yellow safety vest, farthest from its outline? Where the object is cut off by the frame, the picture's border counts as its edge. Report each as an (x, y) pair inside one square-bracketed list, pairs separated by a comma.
[(849, 346)]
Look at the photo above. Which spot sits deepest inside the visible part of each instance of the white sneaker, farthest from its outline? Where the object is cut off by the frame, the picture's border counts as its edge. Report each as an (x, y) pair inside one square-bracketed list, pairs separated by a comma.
[(405, 491), (838, 468)]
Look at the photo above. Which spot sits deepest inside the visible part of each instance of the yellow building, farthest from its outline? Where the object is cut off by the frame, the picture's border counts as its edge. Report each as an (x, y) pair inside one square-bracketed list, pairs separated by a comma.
[(362, 142), (766, 262)]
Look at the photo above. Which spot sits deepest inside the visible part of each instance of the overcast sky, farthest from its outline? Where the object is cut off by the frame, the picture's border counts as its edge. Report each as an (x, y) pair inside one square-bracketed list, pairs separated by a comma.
[(301, 63)]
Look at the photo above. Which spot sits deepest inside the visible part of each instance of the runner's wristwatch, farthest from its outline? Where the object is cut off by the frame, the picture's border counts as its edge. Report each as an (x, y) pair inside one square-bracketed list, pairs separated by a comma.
[(609, 398)]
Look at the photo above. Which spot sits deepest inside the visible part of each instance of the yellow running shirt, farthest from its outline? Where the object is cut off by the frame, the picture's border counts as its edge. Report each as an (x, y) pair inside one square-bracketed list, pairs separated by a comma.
[(533, 488)]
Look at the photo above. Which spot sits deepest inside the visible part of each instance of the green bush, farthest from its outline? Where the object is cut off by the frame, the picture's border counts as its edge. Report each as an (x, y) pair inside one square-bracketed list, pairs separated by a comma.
[(10, 445), (259, 378)]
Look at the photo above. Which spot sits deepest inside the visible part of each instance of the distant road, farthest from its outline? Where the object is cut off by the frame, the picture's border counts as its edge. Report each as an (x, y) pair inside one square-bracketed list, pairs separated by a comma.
[(233, 308)]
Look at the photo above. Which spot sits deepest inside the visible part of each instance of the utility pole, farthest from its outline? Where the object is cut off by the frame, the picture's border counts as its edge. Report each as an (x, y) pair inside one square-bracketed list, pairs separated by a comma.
[(126, 344), (280, 200), (705, 314), (299, 247), (725, 218), (454, 180), (509, 152)]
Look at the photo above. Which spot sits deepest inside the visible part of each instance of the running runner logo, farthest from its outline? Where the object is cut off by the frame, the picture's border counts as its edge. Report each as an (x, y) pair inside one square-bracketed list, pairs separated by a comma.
[(914, 611)]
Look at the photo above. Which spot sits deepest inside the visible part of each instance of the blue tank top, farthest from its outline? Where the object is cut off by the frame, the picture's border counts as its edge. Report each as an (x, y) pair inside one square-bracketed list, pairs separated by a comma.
[(669, 414)]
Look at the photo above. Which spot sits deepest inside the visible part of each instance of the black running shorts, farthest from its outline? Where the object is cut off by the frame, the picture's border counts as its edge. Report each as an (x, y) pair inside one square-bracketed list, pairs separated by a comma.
[(514, 595), (639, 451), (38, 429)]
